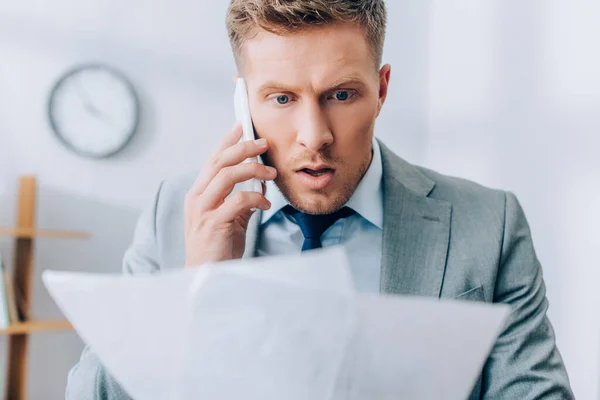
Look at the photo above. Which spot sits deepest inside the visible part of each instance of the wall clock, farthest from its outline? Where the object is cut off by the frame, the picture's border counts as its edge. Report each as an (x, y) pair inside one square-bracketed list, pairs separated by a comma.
[(94, 110)]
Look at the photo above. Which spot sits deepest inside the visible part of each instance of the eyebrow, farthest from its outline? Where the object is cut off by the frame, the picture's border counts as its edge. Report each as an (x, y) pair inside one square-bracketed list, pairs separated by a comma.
[(349, 80)]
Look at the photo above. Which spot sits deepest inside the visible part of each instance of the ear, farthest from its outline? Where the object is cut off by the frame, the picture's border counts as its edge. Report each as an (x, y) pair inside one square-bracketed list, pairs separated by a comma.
[(384, 81)]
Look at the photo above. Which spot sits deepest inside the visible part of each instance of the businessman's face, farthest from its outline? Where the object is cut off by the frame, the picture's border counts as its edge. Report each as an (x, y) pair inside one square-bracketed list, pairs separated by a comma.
[(314, 96)]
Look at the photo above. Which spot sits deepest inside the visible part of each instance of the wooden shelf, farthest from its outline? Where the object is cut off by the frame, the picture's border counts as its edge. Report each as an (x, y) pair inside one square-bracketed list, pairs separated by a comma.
[(43, 233), (36, 326), (26, 231)]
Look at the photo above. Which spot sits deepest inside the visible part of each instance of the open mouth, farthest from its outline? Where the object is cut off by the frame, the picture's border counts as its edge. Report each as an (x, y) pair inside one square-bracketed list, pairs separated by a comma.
[(318, 172), (318, 178)]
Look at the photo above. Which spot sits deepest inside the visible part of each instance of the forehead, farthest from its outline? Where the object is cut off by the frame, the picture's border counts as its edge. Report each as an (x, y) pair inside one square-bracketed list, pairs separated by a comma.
[(313, 57)]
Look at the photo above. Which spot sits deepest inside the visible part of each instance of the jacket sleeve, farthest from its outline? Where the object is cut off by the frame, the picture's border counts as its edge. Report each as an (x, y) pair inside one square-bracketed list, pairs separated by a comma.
[(88, 379), (525, 363)]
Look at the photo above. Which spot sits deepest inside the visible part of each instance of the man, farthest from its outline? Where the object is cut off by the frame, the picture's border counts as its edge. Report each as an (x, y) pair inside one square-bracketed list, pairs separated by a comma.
[(316, 88)]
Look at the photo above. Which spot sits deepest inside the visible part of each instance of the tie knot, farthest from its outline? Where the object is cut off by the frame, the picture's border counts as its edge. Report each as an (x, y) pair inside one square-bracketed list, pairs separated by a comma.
[(313, 226)]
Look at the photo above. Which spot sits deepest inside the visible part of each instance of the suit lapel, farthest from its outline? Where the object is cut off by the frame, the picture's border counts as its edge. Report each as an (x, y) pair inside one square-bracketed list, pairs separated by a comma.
[(416, 231)]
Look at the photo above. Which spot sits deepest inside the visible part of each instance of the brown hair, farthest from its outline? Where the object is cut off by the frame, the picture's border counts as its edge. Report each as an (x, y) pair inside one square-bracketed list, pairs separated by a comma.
[(287, 16)]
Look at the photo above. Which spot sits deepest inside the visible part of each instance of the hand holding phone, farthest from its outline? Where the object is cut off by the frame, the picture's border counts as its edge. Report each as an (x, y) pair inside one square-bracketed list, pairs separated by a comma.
[(227, 191)]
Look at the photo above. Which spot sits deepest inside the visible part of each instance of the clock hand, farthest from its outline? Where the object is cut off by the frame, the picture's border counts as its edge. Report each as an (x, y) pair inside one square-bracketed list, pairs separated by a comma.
[(87, 103)]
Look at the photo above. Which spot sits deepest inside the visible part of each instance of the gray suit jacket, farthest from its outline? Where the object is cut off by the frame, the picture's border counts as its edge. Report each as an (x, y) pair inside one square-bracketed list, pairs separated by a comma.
[(442, 237)]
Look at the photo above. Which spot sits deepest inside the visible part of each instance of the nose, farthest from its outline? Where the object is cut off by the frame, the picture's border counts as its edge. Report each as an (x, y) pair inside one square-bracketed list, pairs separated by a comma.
[(314, 132)]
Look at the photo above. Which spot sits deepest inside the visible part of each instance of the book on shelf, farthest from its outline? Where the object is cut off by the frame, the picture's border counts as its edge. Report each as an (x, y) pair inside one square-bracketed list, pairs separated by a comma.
[(12, 303), (9, 299), (4, 315)]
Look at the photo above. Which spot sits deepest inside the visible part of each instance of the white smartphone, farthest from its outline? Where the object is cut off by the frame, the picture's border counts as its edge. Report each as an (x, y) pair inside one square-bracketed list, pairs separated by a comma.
[(242, 115)]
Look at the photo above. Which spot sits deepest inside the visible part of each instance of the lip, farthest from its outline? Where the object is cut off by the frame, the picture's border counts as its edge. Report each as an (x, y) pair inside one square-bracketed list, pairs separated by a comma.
[(316, 182), (314, 167)]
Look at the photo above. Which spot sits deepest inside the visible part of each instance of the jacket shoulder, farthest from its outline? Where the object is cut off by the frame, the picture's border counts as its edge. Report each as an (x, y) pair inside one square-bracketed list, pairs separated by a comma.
[(478, 212), (169, 219), (179, 185), (172, 193), (463, 191)]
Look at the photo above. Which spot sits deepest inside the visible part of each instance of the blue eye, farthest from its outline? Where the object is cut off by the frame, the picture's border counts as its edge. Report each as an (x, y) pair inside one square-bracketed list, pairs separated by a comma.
[(342, 95), (283, 99)]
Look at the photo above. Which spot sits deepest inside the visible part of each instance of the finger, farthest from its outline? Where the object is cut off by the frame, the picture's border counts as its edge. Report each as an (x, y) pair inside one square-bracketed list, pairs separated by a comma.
[(222, 185), (230, 139), (244, 218), (203, 179), (239, 152), (232, 155), (240, 204)]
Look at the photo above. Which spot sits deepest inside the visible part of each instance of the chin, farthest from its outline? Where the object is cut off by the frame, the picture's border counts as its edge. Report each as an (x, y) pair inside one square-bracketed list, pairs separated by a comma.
[(317, 202)]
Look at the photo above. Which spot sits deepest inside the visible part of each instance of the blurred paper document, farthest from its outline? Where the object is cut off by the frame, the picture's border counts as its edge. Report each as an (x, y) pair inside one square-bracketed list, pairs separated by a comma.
[(275, 328)]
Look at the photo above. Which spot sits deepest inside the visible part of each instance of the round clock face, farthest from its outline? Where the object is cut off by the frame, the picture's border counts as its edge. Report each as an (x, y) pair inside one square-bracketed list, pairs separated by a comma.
[(94, 110)]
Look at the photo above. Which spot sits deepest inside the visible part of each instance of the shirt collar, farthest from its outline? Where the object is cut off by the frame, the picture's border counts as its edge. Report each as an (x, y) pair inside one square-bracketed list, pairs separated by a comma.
[(367, 199)]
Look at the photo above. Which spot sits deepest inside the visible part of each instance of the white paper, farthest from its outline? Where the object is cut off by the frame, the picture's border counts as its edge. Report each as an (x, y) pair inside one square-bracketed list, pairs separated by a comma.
[(275, 328), (417, 348)]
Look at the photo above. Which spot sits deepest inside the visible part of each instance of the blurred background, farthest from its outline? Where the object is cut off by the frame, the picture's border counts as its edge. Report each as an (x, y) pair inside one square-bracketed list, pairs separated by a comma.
[(504, 92)]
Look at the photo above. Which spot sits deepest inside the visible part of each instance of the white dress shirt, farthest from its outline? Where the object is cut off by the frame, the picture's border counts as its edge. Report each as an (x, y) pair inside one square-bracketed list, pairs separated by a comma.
[(361, 233)]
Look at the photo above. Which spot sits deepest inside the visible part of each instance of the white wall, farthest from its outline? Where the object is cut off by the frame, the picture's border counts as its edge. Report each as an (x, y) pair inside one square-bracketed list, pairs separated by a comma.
[(503, 92)]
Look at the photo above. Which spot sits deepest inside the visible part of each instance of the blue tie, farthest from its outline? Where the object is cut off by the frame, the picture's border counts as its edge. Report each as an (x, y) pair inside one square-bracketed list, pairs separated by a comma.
[(313, 226)]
